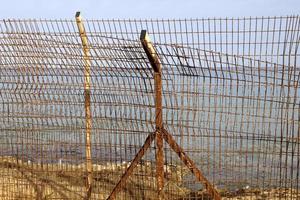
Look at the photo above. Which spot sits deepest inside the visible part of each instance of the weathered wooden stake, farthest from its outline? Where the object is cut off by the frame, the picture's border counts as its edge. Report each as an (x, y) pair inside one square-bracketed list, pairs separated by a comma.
[(87, 103), (156, 65)]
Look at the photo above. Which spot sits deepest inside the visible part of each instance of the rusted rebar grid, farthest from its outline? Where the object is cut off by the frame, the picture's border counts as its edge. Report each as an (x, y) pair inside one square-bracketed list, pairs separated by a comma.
[(230, 101)]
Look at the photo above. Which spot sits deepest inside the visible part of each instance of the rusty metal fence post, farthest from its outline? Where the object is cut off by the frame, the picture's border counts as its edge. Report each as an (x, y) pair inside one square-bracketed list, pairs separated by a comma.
[(87, 102), (160, 134), (156, 65)]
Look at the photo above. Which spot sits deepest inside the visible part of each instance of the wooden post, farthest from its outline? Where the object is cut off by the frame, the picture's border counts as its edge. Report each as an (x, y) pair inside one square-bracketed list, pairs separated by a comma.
[(156, 65), (87, 103)]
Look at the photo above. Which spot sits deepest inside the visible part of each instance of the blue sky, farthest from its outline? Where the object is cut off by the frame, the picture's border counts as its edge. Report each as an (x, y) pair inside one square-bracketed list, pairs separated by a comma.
[(146, 9)]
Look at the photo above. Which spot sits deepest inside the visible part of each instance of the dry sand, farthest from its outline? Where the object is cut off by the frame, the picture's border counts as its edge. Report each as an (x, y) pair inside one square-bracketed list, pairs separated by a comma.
[(25, 180)]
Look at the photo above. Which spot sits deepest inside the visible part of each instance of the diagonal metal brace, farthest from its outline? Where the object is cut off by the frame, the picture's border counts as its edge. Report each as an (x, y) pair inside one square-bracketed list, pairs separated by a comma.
[(133, 164), (191, 165)]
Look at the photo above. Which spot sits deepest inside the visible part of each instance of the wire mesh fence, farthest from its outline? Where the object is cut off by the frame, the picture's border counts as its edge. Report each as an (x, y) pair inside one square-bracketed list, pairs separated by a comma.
[(230, 99)]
